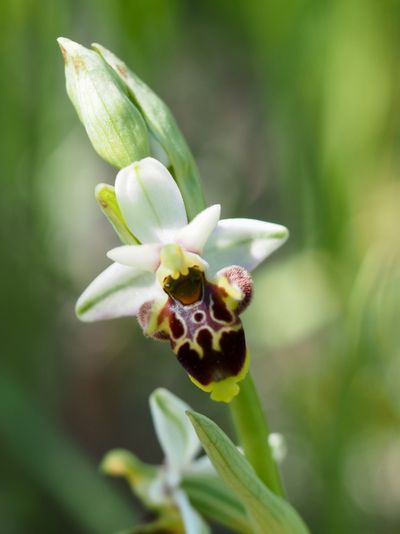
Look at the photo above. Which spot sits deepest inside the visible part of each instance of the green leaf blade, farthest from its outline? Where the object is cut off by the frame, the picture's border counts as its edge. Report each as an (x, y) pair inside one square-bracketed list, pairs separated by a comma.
[(269, 513)]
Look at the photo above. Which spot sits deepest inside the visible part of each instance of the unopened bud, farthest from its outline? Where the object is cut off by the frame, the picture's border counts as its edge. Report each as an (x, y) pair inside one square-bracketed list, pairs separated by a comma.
[(114, 125)]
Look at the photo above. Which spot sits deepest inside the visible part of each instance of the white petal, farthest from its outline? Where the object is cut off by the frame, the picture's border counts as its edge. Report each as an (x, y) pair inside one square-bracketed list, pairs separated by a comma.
[(192, 520), (244, 242), (150, 201), (142, 257), (176, 435), (117, 292), (194, 236)]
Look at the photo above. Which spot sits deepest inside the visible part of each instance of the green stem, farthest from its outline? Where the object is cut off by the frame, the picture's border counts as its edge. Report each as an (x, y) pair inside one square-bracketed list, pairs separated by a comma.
[(252, 429)]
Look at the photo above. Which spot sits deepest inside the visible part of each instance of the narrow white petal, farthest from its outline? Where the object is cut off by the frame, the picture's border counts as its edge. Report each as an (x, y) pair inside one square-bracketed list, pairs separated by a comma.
[(150, 201), (142, 257), (117, 292), (194, 236), (192, 520), (176, 435), (244, 242)]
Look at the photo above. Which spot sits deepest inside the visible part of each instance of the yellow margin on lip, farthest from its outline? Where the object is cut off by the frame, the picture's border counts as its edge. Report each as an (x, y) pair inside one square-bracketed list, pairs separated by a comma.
[(225, 390)]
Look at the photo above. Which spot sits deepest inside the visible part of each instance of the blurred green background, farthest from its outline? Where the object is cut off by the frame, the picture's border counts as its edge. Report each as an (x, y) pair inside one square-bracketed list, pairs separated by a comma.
[(292, 111)]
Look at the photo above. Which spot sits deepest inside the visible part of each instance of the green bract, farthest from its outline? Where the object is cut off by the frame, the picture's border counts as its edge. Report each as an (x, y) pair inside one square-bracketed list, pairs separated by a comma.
[(268, 512), (125, 120)]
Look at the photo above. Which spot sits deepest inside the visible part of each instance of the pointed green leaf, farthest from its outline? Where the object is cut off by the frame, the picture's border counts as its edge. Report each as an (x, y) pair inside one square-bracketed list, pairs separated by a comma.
[(269, 513), (163, 127)]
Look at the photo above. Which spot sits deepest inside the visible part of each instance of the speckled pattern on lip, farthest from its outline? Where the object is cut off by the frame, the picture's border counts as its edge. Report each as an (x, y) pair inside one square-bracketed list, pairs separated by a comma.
[(207, 334)]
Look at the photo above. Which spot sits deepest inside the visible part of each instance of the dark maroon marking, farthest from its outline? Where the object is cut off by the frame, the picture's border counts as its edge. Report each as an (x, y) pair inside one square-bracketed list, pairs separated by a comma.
[(220, 311), (234, 343), (214, 365), (176, 326), (204, 339), (199, 316), (161, 336), (190, 360)]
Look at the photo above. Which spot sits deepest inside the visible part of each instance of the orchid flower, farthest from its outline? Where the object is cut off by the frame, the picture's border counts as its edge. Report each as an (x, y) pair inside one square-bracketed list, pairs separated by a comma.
[(160, 488), (178, 491), (187, 282)]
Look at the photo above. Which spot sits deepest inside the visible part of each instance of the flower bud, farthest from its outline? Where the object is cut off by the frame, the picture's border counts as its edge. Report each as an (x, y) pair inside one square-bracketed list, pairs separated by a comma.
[(166, 140), (114, 125)]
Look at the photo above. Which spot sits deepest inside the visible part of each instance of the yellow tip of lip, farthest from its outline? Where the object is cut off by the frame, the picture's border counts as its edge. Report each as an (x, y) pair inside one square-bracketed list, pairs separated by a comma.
[(225, 390)]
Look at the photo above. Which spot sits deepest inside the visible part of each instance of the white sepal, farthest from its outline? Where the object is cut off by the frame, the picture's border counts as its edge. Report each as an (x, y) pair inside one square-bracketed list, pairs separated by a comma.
[(117, 292), (244, 242), (150, 201)]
